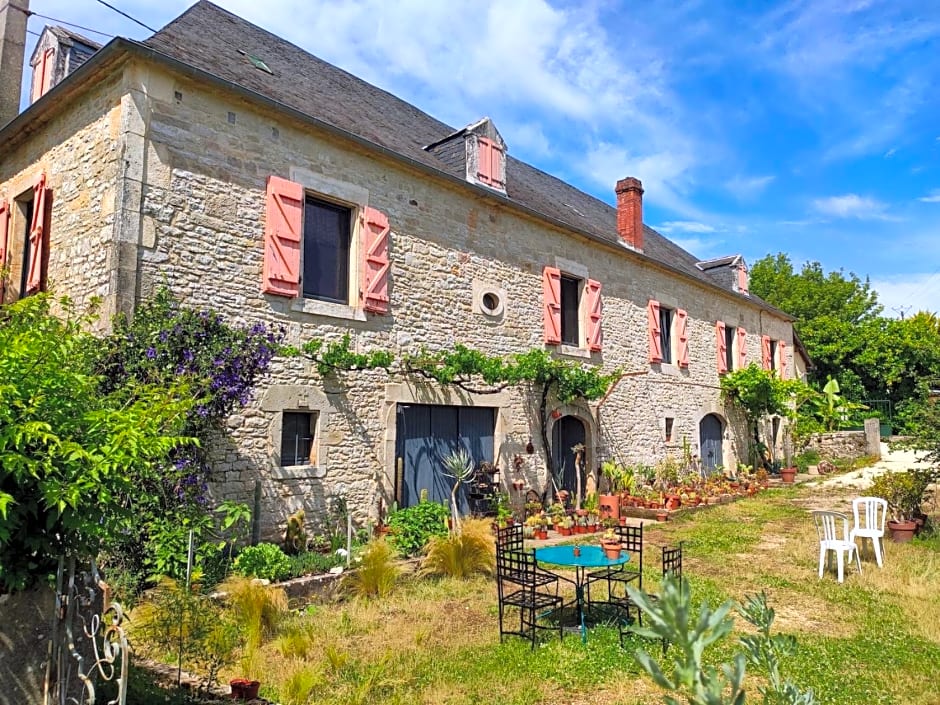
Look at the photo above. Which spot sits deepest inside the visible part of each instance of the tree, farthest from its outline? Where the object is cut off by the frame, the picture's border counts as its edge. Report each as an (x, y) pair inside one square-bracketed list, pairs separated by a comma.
[(71, 457)]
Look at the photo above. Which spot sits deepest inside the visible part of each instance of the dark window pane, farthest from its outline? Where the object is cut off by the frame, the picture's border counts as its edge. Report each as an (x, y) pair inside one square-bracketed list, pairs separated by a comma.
[(665, 333), (24, 270), (773, 354), (570, 288), (326, 251), (729, 347), (296, 438)]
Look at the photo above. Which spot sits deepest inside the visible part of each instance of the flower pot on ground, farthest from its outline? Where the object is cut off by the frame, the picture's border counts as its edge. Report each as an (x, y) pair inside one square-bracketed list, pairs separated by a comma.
[(609, 506), (788, 475), (673, 502), (244, 689), (902, 531), (662, 515)]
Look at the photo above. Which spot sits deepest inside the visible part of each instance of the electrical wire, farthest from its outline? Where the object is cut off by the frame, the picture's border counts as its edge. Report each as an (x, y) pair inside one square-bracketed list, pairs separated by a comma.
[(121, 12), (71, 24)]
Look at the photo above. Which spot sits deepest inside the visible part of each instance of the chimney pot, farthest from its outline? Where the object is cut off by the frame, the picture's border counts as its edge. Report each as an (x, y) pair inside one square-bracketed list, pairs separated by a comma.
[(630, 212)]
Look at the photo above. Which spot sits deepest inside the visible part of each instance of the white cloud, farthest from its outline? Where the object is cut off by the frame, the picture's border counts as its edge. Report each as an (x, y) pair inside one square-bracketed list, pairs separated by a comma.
[(908, 293), (747, 187), (932, 197), (685, 226), (852, 205)]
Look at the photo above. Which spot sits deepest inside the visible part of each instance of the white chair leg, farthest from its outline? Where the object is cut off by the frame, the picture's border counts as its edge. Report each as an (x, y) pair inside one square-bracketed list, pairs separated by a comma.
[(858, 562), (841, 565), (822, 559), (876, 544)]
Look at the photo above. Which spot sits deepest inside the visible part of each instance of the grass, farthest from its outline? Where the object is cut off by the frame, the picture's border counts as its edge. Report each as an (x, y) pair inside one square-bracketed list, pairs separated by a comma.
[(873, 639)]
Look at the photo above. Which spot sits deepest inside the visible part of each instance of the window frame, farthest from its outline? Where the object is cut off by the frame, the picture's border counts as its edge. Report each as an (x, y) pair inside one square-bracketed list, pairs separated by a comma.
[(21, 212), (572, 312), (731, 341), (312, 421), (313, 200), (667, 334)]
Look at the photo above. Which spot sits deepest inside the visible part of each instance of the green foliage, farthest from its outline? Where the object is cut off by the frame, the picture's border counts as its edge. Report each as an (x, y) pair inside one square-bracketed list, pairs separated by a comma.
[(312, 563), (923, 427), (336, 356), (411, 528), (759, 392), (295, 536), (904, 492), (300, 684), (264, 560), (377, 572), (179, 622), (671, 618), (258, 608), (73, 459), (462, 554), (806, 458)]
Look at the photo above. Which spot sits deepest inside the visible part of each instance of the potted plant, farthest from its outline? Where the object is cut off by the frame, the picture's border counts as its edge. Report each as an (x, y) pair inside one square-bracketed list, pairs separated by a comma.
[(905, 493), (610, 503), (788, 475), (244, 689), (610, 542), (564, 526)]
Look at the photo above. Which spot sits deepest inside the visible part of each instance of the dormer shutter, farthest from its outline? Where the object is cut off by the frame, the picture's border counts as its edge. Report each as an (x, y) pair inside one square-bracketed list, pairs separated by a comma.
[(653, 330), (38, 236), (765, 352), (42, 74), (595, 332), (551, 305), (490, 163), (782, 351), (282, 231), (375, 265), (742, 348), (682, 331), (743, 284), (721, 345)]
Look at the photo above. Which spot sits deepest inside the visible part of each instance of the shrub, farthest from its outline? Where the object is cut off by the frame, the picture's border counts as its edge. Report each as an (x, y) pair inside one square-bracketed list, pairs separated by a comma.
[(904, 491), (264, 560), (411, 528), (259, 608), (806, 458), (377, 573), (460, 555), (311, 563)]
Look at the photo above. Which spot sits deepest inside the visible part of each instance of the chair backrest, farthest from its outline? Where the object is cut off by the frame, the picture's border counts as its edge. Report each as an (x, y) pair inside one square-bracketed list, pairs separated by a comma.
[(827, 525), (509, 538), (672, 561), (870, 513), (517, 566)]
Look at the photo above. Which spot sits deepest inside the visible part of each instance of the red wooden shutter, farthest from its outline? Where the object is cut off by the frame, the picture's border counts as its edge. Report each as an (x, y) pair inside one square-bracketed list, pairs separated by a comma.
[(375, 262), (742, 348), (742, 279), (490, 164), (765, 352), (595, 329), (282, 231), (682, 330), (721, 345), (782, 351), (38, 234), (652, 327), (551, 301), (4, 227)]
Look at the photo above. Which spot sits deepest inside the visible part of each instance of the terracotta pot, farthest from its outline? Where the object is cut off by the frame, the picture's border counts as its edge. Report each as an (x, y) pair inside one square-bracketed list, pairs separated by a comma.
[(673, 502), (902, 531), (541, 534), (788, 474), (662, 515), (564, 530), (611, 549), (609, 505), (244, 689)]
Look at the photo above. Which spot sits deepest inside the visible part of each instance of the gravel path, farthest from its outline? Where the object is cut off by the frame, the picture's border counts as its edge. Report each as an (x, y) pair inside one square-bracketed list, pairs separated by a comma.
[(891, 461)]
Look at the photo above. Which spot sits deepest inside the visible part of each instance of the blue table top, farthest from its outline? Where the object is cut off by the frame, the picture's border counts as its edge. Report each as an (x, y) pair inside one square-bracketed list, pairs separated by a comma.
[(591, 556)]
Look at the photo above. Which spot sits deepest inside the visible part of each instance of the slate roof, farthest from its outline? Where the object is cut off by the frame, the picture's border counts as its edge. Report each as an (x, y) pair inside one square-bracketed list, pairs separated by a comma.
[(218, 42)]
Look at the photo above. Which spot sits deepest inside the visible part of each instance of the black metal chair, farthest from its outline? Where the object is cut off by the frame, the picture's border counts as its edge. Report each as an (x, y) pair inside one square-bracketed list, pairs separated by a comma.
[(672, 567), (631, 539), (510, 538)]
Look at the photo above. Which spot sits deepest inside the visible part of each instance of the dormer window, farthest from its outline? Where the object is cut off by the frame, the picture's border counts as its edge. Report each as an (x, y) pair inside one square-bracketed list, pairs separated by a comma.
[(743, 287), (491, 164)]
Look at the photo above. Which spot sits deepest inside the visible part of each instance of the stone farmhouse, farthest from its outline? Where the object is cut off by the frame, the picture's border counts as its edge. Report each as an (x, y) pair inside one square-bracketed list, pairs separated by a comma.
[(258, 180)]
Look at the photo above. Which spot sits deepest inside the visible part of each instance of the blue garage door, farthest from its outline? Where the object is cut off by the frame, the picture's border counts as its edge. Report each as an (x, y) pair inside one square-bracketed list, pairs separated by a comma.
[(427, 434)]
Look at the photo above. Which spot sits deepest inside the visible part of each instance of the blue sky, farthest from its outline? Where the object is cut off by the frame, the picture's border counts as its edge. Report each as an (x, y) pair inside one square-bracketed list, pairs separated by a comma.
[(811, 128)]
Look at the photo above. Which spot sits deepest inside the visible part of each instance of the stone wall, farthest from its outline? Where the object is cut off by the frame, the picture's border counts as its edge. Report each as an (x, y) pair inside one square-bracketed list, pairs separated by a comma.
[(198, 162), (846, 445)]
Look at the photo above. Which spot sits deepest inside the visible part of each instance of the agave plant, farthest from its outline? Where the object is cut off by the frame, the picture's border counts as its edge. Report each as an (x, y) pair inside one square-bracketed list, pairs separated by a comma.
[(458, 465)]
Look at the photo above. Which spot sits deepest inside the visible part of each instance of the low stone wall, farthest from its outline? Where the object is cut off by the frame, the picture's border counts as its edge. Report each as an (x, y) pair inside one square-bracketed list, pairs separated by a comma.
[(845, 445)]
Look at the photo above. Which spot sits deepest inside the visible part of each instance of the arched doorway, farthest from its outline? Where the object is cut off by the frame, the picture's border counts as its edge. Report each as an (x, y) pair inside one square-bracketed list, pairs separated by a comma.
[(568, 432), (710, 442)]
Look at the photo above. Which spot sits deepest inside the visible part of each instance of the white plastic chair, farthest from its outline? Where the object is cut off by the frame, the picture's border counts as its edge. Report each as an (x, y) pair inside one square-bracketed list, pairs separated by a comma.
[(829, 540), (870, 514)]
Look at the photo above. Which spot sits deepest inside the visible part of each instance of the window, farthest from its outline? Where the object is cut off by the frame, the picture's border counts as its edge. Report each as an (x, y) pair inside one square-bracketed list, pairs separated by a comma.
[(24, 233), (665, 334), (773, 354), (670, 422), (297, 433), (309, 247), (570, 309), (326, 251), (730, 334)]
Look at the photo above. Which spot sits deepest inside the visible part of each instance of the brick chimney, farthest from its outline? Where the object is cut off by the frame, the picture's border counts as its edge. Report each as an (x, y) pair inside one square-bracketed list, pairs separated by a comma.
[(13, 16), (630, 212)]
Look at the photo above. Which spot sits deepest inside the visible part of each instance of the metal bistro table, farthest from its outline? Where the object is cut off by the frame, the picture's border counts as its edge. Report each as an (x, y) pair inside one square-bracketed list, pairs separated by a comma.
[(590, 557)]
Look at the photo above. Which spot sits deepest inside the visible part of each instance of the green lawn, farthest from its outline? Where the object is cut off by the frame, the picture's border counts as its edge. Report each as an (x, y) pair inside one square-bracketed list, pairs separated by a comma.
[(871, 640)]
